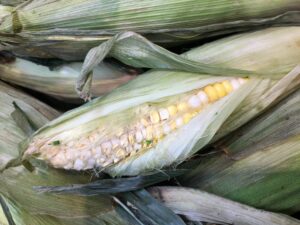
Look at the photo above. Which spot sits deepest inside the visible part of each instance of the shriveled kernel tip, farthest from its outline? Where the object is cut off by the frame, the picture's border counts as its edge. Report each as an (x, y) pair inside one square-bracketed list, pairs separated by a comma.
[(227, 85), (211, 93), (172, 109), (154, 117)]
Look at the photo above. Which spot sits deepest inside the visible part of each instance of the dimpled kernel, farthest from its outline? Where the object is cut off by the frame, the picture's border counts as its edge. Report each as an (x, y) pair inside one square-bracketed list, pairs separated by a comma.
[(203, 97), (194, 101), (154, 117), (164, 114), (227, 85), (211, 93), (172, 109)]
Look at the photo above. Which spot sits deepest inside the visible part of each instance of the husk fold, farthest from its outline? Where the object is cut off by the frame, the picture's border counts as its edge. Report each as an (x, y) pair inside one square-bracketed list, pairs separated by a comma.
[(58, 29), (158, 84), (58, 81), (26, 205), (261, 167)]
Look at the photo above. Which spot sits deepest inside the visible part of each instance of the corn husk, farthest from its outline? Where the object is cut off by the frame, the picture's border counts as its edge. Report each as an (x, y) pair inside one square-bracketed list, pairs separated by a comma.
[(59, 81), (26, 205), (58, 29), (12, 2), (261, 167), (201, 206), (155, 85)]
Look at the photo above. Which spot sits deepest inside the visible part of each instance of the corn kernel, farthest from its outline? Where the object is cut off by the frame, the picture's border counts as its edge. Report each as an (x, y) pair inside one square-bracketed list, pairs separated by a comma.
[(220, 90), (227, 85), (164, 114), (154, 116), (172, 110), (173, 125), (235, 84), (182, 106), (149, 131), (211, 93), (187, 117), (194, 101), (203, 97)]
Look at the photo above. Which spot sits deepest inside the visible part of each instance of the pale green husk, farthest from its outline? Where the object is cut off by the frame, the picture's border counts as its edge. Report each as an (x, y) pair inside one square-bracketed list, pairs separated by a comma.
[(59, 81), (16, 183), (262, 164), (59, 29), (157, 84)]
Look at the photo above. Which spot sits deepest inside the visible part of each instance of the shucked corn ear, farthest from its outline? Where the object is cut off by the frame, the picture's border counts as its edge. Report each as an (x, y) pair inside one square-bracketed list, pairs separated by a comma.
[(158, 119), (16, 183), (59, 81), (57, 28)]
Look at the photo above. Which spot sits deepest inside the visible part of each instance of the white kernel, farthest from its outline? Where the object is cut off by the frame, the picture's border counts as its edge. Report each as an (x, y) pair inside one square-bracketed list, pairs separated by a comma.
[(144, 132), (167, 129), (78, 165), (194, 101), (137, 147), (164, 114), (106, 145), (97, 150), (115, 142), (203, 97), (90, 163), (179, 121), (124, 140), (59, 160), (235, 84), (139, 136)]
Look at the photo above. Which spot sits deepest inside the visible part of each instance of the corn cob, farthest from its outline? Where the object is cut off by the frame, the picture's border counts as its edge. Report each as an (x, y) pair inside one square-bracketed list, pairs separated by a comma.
[(161, 117), (103, 147), (58, 29), (59, 81)]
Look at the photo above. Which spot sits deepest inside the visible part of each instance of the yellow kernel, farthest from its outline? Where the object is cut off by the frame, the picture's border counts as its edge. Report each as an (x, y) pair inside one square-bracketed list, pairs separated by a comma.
[(154, 116), (187, 117), (227, 85), (172, 110), (220, 90), (121, 153), (131, 138), (182, 106), (145, 122), (173, 125), (211, 93)]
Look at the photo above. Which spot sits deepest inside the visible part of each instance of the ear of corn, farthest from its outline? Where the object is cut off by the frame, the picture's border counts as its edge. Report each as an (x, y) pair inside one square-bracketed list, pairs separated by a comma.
[(204, 207), (57, 28), (136, 127), (262, 165), (16, 184), (59, 81)]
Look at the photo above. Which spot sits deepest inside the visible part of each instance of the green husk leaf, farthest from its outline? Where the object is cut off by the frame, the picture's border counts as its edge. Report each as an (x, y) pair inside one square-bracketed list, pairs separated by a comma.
[(6, 211), (262, 166), (60, 30), (105, 186), (201, 206), (146, 210), (279, 43), (59, 81), (11, 2)]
